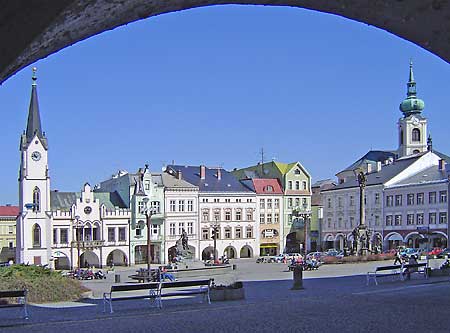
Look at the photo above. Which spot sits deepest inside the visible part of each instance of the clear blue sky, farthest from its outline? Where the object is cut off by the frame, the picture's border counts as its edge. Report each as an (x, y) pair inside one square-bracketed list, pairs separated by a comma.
[(214, 85)]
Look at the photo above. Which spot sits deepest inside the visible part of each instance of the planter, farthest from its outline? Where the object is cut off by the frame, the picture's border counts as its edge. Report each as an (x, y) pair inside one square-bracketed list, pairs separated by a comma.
[(228, 293), (440, 272), (234, 294), (217, 294)]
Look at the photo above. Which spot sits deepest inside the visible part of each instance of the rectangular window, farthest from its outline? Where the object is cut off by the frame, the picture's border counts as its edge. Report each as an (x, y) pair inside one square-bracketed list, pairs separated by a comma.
[(419, 218), (190, 205), (377, 198), (352, 221), (249, 232), (190, 228), (442, 196), (227, 200), (389, 201), (238, 232), (138, 230), (180, 228), (329, 223), (420, 198), (297, 202), (217, 215), (10, 230), (388, 220), (249, 216), (111, 234), (398, 220), (239, 200), (11, 245), (432, 218), (297, 185), (269, 218), (290, 218), (156, 207), (277, 204), (410, 219), (290, 203), (340, 222), (262, 219), (289, 185), (305, 185), (205, 216), (64, 236), (181, 205), (377, 220), (276, 218), (398, 200), (155, 229), (172, 229), (410, 199), (141, 206), (339, 202), (269, 203), (238, 215), (248, 200), (227, 233), (329, 202), (55, 236), (172, 205), (205, 233), (228, 215), (205, 200), (443, 218), (122, 234), (262, 204), (216, 200), (432, 197), (147, 185)]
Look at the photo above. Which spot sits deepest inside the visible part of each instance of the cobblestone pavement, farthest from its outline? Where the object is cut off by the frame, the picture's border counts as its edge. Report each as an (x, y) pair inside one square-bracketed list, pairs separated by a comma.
[(335, 298)]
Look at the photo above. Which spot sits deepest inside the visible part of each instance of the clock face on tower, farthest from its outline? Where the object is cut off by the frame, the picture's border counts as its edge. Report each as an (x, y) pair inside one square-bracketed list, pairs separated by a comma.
[(87, 210), (36, 156)]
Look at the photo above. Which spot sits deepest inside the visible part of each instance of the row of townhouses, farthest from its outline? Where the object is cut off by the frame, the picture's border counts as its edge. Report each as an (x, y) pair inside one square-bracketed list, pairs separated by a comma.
[(406, 193), (263, 209)]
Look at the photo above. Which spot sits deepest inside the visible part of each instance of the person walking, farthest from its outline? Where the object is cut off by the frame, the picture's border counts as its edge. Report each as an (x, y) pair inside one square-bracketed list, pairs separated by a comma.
[(398, 258)]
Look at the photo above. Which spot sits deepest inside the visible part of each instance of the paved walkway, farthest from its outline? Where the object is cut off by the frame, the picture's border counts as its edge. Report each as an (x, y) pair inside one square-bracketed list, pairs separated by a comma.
[(331, 302)]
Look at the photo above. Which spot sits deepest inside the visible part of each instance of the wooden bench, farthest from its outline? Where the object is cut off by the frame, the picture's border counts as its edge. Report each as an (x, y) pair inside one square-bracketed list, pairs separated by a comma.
[(202, 287), (415, 268), (21, 296), (394, 271), (152, 288)]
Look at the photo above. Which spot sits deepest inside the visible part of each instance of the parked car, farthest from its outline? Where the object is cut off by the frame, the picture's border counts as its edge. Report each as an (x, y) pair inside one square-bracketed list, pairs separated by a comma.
[(292, 255), (436, 251), (408, 252), (316, 255), (445, 252), (334, 253), (279, 258)]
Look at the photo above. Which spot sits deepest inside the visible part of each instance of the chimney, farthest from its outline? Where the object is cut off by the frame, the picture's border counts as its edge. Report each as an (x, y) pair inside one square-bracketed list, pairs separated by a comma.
[(442, 164), (179, 175), (202, 172), (378, 166), (219, 174), (369, 168)]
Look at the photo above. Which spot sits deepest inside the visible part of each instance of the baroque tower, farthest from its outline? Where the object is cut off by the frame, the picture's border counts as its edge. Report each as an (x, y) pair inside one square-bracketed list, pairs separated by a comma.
[(33, 225), (412, 127)]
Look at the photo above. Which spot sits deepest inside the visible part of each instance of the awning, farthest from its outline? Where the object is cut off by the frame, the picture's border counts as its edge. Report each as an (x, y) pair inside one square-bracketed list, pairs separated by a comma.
[(395, 237), (268, 246)]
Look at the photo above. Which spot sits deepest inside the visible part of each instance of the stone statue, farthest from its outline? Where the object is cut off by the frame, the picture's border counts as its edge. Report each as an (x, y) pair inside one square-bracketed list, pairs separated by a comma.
[(182, 247), (184, 240), (362, 179)]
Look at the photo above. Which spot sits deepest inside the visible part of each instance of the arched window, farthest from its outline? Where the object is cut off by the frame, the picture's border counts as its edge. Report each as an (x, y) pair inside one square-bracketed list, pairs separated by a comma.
[(269, 188), (416, 134), (36, 235), (36, 200), (401, 137)]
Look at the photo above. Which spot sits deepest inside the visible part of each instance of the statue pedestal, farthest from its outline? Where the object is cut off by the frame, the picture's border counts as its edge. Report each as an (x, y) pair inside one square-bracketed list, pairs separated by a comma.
[(362, 235)]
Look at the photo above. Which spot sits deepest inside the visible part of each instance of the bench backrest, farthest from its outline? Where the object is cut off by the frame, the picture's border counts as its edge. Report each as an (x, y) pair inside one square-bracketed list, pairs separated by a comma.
[(387, 268), (415, 265), (191, 283), (12, 293), (140, 286)]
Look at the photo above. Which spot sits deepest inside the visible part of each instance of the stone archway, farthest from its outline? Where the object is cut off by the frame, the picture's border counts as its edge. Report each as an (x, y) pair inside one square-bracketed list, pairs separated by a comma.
[(62, 261), (393, 240), (208, 253), (38, 31), (230, 252), (88, 259), (246, 252), (413, 240), (117, 257)]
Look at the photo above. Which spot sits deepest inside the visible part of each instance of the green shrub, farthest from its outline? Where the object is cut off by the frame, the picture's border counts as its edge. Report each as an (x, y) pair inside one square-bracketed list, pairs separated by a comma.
[(43, 285)]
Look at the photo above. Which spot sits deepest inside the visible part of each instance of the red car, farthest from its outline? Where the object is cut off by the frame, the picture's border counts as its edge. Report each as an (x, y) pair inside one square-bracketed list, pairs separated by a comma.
[(435, 252)]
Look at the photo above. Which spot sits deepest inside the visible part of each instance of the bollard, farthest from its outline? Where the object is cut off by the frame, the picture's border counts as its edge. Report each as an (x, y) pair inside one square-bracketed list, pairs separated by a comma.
[(234, 267), (117, 278), (298, 278)]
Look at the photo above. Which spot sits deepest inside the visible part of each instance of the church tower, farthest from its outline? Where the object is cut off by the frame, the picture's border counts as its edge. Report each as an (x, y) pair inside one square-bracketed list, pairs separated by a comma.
[(412, 127), (34, 223)]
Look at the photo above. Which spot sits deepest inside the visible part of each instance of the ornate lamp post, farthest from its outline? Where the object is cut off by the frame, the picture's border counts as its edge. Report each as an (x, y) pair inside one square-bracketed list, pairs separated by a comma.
[(361, 234), (78, 238), (305, 215), (215, 227), (148, 212)]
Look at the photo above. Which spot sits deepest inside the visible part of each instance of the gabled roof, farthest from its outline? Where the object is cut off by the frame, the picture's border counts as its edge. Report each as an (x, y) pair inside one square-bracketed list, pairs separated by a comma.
[(65, 200), (429, 175), (261, 186), (173, 182), (264, 170), (9, 211), (211, 183), (372, 157), (386, 173)]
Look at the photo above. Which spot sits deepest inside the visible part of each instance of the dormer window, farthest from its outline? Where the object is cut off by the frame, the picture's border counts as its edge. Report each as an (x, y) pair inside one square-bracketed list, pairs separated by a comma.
[(269, 188), (297, 172)]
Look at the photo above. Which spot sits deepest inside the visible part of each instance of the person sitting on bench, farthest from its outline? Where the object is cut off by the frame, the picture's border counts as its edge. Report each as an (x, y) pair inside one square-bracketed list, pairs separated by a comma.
[(165, 275)]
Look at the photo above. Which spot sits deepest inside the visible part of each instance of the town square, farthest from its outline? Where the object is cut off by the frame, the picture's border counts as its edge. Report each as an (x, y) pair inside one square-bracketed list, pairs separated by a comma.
[(303, 186)]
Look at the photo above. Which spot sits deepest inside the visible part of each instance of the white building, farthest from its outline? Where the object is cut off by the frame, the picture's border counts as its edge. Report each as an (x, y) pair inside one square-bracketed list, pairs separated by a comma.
[(406, 189), (224, 202), (64, 230)]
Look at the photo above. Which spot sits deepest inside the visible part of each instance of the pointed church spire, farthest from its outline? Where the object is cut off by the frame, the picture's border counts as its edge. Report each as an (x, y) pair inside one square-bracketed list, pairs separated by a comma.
[(411, 83), (34, 118), (412, 104)]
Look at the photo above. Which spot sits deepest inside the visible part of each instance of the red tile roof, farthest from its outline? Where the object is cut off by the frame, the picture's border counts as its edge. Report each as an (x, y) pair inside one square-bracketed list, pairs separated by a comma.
[(9, 211), (261, 186)]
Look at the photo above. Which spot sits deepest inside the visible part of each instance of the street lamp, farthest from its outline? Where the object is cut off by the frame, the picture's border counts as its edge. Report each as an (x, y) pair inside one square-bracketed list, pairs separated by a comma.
[(305, 214), (215, 227), (78, 235), (148, 212)]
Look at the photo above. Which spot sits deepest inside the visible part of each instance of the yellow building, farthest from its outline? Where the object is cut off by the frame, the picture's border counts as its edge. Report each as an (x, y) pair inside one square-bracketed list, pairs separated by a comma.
[(8, 216)]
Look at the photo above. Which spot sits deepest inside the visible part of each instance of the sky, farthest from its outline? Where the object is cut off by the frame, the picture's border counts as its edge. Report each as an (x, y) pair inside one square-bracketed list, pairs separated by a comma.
[(214, 86)]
